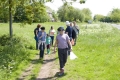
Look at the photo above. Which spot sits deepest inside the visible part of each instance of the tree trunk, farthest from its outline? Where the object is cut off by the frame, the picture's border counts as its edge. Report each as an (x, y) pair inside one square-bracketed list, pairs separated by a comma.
[(10, 18)]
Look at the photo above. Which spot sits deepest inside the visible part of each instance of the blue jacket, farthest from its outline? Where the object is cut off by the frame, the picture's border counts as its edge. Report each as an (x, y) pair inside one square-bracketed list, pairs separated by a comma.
[(69, 30), (43, 38)]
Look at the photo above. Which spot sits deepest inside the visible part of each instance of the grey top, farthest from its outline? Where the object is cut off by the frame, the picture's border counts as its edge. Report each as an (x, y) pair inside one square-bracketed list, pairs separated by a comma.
[(62, 41)]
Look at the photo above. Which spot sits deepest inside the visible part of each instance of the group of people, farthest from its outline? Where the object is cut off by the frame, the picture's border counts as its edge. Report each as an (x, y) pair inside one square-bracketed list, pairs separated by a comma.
[(43, 39), (65, 39)]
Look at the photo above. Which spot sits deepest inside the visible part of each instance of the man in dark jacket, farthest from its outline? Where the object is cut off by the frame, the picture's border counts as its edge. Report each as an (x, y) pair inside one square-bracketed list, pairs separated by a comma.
[(36, 31), (69, 32), (76, 29)]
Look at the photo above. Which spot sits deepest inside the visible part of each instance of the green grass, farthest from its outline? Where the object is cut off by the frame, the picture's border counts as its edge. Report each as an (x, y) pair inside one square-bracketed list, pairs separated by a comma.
[(25, 32), (98, 49)]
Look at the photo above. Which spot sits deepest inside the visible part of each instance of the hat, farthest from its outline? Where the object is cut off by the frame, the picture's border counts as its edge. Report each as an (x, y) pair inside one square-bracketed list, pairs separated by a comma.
[(67, 23), (60, 29)]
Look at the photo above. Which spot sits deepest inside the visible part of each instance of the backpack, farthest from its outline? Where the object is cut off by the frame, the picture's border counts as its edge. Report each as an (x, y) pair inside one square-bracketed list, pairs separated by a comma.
[(74, 32)]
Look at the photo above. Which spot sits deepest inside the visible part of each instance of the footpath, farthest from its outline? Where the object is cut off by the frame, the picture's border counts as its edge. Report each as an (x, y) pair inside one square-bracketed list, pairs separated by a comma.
[(48, 71)]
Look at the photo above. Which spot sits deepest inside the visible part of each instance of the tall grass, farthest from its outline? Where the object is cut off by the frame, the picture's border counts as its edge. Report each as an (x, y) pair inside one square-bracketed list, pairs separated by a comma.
[(98, 51)]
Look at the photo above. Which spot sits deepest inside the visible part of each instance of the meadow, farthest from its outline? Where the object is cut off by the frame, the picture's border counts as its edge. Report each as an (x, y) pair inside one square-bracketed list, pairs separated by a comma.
[(97, 49)]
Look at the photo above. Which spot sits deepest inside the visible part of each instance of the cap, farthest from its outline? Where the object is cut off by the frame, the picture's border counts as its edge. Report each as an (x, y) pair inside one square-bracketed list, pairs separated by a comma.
[(67, 23), (60, 29)]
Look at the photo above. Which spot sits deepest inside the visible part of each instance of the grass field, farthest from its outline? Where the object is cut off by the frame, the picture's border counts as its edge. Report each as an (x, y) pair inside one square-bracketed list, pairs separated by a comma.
[(98, 49)]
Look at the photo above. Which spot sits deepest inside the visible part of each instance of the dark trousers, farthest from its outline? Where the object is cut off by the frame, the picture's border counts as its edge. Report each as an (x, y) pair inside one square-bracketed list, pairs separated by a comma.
[(62, 53), (42, 49), (42, 53), (36, 45), (52, 37), (75, 40)]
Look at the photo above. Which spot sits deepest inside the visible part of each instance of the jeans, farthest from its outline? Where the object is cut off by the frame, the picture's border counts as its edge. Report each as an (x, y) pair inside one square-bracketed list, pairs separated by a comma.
[(62, 53), (42, 49), (41, 53), (52, 37)]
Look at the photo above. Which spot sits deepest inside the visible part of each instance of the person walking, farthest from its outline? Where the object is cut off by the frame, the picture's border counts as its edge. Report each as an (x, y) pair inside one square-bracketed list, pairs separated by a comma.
[(76, 28), (62, 41), (48, 42), (52, 33), (68, 31), (36, 31), (42, 41)]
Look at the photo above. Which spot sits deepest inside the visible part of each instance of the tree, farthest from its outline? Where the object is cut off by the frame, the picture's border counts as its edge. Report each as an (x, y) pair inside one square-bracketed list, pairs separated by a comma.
[(115, 15), (12, 4), (87, 13), (78, 15), (98, 17), (55, 16)]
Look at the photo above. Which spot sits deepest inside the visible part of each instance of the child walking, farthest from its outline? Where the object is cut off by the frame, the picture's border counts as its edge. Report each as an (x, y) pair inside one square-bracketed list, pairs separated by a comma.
[(48, 42)]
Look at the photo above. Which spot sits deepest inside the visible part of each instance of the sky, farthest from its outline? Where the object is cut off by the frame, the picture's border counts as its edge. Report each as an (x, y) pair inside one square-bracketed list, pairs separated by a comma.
[(102, 7)]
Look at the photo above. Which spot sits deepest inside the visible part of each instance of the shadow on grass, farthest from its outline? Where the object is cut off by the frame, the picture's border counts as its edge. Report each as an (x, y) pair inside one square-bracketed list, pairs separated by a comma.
[(55, 77)]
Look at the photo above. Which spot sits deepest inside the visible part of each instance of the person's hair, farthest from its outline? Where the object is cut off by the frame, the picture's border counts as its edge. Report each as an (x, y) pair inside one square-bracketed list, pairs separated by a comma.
[(51, 27), (48, 34), (74, 22), (38, 26), (42, 28), (71, 23)]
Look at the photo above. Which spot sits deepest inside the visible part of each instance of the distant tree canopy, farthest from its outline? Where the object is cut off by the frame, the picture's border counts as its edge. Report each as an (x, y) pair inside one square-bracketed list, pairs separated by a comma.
[(27, 11), (67, 12), (35, 12), (113, 16)]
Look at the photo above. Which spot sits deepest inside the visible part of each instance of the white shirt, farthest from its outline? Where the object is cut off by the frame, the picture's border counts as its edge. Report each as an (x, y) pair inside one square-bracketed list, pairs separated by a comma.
[(52, 32)]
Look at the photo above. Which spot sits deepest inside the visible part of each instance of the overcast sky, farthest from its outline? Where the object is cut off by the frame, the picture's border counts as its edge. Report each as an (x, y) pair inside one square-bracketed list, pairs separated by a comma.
[(96, 6)]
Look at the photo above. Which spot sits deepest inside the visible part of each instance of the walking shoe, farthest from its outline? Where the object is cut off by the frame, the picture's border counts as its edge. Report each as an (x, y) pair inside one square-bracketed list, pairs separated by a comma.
[(61, 73)]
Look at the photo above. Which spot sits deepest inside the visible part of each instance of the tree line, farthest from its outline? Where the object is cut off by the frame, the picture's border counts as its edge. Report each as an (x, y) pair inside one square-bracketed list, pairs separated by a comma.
[(113, 16), (25, 11), (28, 13)]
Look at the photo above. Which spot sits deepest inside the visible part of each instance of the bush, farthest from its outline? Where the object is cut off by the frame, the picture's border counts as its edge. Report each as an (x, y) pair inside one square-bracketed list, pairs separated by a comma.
[(12, 52)]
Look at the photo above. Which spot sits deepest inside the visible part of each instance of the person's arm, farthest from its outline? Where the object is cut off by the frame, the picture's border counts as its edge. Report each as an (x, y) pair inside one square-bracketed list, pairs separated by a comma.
[(68, 41), (70, 45), (56, 42), (36, 32), (66, 31)]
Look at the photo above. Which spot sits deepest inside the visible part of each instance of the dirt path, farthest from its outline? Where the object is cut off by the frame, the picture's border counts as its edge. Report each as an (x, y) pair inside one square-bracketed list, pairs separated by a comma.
[(49, 68), (48, 71)]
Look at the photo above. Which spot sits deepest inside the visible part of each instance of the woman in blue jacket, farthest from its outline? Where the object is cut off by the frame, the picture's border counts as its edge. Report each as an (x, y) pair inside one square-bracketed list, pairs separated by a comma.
[(41, 42)]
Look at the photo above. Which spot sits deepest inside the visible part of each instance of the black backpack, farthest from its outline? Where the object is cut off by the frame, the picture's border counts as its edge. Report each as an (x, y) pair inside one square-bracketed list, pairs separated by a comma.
[(74, 34)]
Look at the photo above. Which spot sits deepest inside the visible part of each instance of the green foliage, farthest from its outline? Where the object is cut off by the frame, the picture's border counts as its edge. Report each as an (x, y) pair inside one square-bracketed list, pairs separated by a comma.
[(78, 15), (3, 13), (98, 17), (13, 51), (115, 15), (67, 12), (87, 13), (55, 16), (36, 12)]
